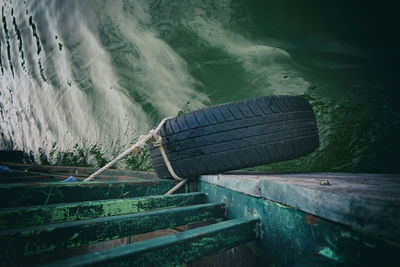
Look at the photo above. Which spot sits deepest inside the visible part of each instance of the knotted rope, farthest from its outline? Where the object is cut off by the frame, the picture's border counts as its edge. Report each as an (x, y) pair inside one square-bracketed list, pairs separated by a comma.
[(141, 143)]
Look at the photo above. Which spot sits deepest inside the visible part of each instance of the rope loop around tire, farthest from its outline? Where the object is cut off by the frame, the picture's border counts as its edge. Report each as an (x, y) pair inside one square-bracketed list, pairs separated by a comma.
[(158, 142), (154, 137)]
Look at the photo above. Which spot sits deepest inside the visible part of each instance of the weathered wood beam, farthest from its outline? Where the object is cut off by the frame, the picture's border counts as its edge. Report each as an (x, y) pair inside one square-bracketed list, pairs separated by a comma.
[(36, 240), (367, 202), (176, 249), (29, 194), (292, 236), (18, 176), (12, 218), (80, 171)]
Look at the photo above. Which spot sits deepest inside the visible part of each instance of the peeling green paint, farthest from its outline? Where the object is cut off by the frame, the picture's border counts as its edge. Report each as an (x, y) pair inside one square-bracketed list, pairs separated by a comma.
[(173, 250), (28, 194), (369, 245), (39, 239), (345, 234), (74, 236), (289, 238), (329, 253), (12, 218)]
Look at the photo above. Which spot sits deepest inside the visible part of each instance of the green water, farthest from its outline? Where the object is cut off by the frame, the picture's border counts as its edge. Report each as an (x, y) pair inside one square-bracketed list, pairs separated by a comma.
[(80, 80)]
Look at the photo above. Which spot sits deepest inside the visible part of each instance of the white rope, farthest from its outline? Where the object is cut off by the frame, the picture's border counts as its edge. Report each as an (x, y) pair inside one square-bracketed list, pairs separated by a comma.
[(140, 144), (158, 142), (143, 140), (176, 187)]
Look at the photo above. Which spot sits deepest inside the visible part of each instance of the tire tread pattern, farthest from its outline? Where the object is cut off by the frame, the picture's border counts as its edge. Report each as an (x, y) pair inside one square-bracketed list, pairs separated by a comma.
[(237, 135)]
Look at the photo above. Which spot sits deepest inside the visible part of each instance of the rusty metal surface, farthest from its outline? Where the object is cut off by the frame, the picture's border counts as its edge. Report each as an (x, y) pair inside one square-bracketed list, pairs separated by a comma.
[(28, 194)]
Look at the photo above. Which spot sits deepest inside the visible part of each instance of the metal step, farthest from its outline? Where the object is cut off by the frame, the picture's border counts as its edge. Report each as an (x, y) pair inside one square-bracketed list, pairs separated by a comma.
[(176, 249), (12, 218), (39, 239), (41, 220), (38, 193)]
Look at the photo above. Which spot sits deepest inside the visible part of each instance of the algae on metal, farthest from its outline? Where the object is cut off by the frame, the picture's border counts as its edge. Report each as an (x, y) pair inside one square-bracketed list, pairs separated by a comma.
[(12, 218), (28, 194), (292, 236), (176, 249), (39, 239)]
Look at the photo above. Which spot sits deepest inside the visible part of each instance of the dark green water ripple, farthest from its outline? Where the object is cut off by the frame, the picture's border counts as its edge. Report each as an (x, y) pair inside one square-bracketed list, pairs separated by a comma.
[(100, 73)]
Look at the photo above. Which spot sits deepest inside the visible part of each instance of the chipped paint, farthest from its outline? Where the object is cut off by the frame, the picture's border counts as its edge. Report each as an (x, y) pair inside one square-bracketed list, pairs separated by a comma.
[(65, 212), (39, 239), (340, 202), (290, 235), (312, 219), (369, 245), (345, 234), (329, 253), (176, 249)]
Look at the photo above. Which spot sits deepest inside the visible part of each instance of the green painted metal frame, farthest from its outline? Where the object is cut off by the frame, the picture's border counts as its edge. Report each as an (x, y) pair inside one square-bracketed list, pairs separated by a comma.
[(29, 194), (12, 218), (35, 240), (368, 202), (285, 236), (176, 249), (293, 237)]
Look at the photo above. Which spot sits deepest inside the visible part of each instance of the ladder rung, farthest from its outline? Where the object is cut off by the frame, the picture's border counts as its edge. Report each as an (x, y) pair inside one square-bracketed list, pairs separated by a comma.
[(39, 239), (29, 194), (12, 218), (176, 249)]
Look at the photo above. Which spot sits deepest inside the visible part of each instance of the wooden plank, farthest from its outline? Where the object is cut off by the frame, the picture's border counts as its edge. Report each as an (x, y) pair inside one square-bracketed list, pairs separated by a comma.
[(367, 202), (12, 218), (18, 176), (29, 194), (80, 171), (176, 249), (36, 240)]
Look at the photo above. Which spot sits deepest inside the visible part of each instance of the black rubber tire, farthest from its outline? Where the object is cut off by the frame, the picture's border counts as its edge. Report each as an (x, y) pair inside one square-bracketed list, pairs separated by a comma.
[(237, 135)]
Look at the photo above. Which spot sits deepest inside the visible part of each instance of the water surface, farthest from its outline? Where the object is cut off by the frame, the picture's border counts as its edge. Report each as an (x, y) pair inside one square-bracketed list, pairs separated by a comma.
[(81, 80)]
